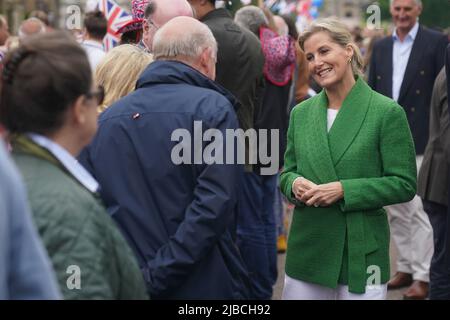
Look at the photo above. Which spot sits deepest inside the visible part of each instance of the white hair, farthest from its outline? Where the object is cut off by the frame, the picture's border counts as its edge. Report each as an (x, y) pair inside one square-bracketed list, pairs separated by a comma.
[(23, 34), (251, 18), (170, 45), (418, 2)]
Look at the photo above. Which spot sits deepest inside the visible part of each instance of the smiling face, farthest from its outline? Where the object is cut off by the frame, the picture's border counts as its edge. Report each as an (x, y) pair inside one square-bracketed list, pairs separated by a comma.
[(405, 14), (328, 62)]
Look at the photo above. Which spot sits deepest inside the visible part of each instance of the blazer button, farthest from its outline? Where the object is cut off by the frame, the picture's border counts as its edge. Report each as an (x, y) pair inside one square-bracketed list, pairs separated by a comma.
[(418, 92), (413, 109), (379, 77), (422, 72)]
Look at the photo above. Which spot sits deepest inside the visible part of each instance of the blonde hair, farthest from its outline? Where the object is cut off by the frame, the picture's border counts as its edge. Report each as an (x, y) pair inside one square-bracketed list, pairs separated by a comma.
[(119, 71), (339, 34)]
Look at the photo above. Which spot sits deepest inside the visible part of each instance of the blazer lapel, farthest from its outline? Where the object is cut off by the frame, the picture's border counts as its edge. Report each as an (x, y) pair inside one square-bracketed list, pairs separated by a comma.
[(317, 142), (420, 43), (349, 120)]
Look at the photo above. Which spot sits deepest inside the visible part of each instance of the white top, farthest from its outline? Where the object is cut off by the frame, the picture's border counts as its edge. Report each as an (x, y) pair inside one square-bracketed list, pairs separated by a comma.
[(95, 52), (400, 55), (67, 160), (331, 116)]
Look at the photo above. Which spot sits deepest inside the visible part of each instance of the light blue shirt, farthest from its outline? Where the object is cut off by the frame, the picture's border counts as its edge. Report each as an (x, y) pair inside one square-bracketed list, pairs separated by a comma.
[(68, 161), (400, 55), (94, 51), (25, 268)]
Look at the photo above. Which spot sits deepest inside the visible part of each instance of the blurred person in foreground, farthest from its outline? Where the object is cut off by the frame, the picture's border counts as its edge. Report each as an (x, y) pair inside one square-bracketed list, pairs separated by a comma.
[(25, 269)]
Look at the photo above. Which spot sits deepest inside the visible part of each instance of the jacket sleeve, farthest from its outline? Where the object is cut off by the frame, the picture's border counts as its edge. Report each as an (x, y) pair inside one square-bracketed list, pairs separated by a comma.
[(206, 219), (398, 181), (31, 275), (289, 173)]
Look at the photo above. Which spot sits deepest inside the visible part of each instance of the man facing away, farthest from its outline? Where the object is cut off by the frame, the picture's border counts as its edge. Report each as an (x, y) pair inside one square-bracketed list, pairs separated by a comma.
[(176, 209), (95, 25), (404, 67), (30, 27)]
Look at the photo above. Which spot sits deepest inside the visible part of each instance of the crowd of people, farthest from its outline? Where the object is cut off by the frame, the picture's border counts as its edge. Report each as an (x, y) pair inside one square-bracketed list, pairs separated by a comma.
[(124, 182)]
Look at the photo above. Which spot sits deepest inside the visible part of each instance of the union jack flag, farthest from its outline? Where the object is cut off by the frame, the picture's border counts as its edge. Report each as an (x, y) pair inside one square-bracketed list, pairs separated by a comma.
[(116, 17)]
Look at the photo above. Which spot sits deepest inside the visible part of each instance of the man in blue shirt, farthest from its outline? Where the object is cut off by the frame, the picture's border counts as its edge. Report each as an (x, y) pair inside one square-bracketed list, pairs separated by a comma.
[(25, 270)]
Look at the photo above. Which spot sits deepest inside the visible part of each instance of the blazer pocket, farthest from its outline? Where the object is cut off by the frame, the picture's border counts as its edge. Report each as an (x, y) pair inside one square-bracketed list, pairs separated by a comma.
[(370, 242)]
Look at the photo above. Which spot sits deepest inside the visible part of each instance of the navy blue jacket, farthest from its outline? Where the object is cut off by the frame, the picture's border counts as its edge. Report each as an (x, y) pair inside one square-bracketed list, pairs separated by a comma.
[(177, 218), (425, 63)]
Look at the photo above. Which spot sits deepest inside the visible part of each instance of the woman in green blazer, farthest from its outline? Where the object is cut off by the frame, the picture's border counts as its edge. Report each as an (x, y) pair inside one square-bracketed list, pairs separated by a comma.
[(349, 154)]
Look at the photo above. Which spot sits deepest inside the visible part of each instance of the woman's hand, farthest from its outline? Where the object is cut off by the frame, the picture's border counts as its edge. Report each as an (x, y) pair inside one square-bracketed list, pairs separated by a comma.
[(323, 195), (300, 186)]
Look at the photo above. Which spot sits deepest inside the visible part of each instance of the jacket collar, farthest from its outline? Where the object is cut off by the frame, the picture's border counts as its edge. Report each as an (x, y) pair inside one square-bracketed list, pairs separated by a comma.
[(23, 144), (412, 34), (175, 72), (328, 148), (217, 13)]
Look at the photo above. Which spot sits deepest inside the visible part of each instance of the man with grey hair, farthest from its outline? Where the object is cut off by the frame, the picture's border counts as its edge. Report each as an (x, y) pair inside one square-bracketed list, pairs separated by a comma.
[(31, 27), (404, 67), (159, 12), (252, 18), (173, 199)]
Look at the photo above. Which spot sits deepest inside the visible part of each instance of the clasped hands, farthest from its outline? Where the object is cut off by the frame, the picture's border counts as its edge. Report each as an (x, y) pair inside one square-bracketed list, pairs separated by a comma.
[(322, 195)]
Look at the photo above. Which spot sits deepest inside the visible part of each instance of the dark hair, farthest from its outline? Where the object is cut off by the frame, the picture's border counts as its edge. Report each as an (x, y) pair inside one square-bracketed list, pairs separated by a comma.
[(96, 24), (291, 26), (40, 81), (150, 9)]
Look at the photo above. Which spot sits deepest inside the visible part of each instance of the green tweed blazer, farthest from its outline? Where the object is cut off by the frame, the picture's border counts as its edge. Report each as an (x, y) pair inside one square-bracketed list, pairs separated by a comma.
[(370, 150)]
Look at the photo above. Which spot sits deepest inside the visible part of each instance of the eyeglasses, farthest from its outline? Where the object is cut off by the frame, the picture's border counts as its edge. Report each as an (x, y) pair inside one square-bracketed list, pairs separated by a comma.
[(150, 22), (98, 94)]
